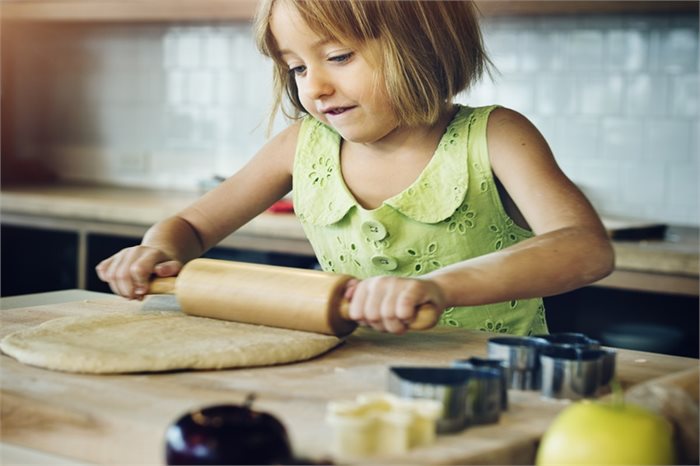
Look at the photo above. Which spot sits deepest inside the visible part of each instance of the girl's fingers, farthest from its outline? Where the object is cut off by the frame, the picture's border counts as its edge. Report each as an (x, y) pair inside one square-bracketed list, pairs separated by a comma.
[(129, 271), (168, 268), (389, 304), (350, 287)]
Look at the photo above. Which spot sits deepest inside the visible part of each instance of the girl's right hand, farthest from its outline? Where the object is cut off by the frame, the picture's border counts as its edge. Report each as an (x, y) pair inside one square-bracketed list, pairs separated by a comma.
[(129, 271)]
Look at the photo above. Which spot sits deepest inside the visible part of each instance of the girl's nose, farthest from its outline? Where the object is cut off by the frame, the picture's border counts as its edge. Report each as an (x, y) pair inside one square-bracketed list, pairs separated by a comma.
[(317, 85)]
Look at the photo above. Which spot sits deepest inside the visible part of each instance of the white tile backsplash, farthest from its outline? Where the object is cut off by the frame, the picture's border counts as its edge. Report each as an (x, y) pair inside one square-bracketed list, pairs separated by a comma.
[(627, 50), (616, 96), (685, 96), (645, 94)]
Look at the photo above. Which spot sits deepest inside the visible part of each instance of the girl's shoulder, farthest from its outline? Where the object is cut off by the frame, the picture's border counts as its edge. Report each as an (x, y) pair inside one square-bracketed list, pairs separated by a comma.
[(508, 124), (279, 150)]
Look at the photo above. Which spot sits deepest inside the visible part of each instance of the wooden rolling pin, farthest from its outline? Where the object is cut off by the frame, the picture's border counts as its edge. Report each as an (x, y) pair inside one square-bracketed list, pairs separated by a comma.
[(285, 297)]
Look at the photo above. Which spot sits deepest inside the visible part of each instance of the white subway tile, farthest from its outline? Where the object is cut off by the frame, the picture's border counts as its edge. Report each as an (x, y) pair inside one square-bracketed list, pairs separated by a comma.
[(118, 87), (535, 51), (599, 180), (243, 50), (679, 50), (175, 87), (170, 42), (585, 49), (646, 94), (578, 138), (643, 183), (599, 95), (482, 93), (554, 54), (216, 51), (556, 95), (517, 94), (503, 48), (682, 184), (149, 48), (627, 50), (685, 95), (621, 139), (200, 87), (150, 87), (678, 215), (667, 139), (227, 85), (188, 48)]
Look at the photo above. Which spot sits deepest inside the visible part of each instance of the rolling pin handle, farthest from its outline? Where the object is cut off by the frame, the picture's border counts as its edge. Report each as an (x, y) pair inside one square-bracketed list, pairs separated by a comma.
[(426, 316), (162, 285)]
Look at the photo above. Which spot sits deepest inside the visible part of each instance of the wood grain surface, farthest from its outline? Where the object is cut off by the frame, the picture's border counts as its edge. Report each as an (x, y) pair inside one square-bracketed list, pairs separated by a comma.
[(121, 419)]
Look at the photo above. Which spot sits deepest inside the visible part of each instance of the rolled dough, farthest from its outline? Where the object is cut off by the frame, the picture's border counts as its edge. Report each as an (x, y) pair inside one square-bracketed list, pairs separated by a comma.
[(152, 341)]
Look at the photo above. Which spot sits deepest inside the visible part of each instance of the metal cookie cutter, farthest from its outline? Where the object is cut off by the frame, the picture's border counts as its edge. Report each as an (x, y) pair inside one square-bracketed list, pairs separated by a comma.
[(571, 339), (521, 355), (607, 369), (572, 373), (449, 386), (484, 397), (497, 365)]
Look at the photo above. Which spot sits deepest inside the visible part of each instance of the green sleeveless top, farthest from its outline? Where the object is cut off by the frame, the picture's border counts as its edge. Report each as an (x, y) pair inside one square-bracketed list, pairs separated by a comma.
[(451, 212)]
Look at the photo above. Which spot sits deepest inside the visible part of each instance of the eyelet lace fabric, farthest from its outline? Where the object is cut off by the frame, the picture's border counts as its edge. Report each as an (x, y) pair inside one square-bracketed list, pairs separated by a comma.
[(450, 213)]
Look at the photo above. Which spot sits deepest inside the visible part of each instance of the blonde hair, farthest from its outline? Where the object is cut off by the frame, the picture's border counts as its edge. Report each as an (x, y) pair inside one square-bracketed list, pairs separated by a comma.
[(427, 51)]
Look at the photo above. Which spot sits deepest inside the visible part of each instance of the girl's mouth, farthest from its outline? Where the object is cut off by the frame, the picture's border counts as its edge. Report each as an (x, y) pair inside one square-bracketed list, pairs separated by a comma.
[(337, 110)]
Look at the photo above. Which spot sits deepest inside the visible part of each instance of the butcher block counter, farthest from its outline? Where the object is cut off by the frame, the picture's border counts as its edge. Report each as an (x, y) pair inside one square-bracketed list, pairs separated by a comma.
[(64, 418), (666, 266)]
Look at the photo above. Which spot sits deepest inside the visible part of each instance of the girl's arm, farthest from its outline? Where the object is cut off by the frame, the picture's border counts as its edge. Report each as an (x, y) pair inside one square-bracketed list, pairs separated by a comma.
[(170, 243), (571, 247)]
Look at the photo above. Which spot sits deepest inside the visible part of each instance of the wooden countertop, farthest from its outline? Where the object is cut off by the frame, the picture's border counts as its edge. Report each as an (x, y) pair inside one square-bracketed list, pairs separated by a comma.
[(677, 254), (121, 419), (129, 206)]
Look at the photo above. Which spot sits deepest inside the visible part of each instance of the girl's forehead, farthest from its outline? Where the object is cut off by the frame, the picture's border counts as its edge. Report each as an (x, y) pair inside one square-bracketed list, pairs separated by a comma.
[(287, 25), (311, 18)]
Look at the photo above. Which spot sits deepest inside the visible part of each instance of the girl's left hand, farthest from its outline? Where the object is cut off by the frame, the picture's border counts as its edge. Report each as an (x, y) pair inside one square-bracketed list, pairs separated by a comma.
[(389, 304)]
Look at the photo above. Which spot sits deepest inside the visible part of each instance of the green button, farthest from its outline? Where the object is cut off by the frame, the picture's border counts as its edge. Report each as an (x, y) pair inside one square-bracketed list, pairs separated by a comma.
[(385, 262), (374, 230)]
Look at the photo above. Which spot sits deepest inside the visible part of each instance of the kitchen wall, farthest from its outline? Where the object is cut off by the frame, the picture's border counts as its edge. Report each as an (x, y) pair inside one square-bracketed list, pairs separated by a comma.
[(174, 105)]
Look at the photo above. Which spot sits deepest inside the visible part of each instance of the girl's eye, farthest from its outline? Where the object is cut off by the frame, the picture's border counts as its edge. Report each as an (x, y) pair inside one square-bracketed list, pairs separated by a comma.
[(342, 58), (298, 70)]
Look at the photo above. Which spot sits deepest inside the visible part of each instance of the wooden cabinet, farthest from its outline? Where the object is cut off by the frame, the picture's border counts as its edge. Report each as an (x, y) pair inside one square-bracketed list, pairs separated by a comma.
[(644, 320), (243, 10), (568, 7), (40, 255), (128, 10), (35, 259)]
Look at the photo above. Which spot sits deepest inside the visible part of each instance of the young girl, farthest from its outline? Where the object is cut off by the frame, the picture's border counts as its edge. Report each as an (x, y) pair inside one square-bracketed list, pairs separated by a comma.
[(422, 200)]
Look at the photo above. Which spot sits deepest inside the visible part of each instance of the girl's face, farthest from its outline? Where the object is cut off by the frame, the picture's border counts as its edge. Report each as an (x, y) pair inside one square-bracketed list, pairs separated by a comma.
[(335, 82)]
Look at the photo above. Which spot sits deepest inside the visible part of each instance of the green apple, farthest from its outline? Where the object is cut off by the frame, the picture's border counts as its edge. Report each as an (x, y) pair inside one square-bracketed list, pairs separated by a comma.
[(598, 433)]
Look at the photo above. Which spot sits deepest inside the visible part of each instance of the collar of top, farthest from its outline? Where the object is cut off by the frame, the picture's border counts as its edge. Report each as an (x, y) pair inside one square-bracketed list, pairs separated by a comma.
[(322, 198)]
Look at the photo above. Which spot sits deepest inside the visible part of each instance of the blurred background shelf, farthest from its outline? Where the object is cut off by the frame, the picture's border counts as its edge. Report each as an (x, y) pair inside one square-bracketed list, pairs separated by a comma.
[(243, 10)]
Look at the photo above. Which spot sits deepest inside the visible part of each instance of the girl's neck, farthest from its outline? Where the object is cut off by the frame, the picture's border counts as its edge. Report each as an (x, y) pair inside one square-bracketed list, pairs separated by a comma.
[(407, 139), (375, 172)]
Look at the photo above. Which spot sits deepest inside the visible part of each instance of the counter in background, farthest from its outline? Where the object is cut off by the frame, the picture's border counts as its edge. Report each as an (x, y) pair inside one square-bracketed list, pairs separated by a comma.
[(663, 266), (117, 217)]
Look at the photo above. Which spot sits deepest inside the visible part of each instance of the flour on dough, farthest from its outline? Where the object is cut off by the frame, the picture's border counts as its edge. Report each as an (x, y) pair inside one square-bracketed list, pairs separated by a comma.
[(158, 341)]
